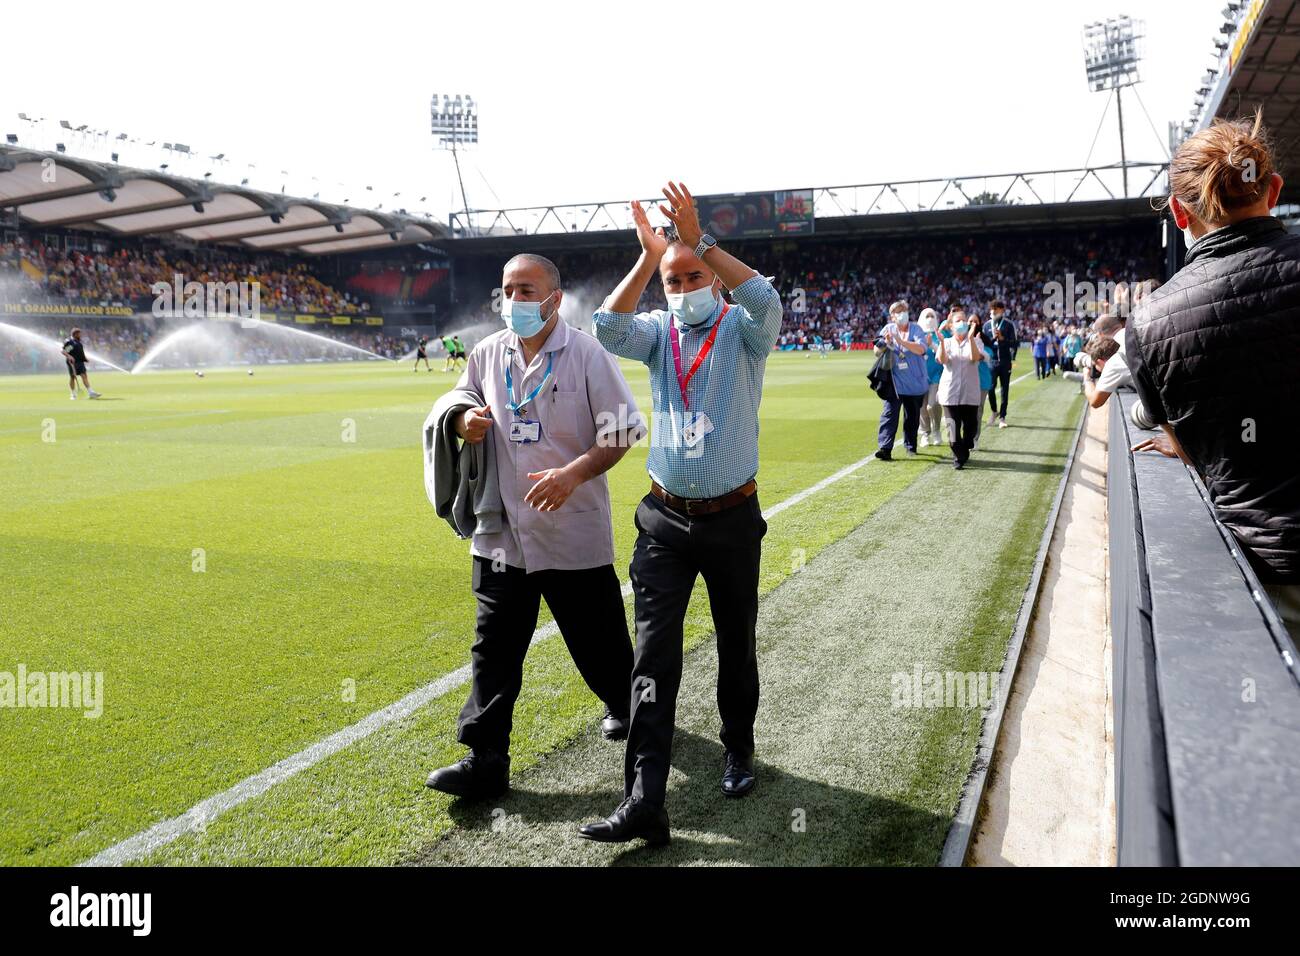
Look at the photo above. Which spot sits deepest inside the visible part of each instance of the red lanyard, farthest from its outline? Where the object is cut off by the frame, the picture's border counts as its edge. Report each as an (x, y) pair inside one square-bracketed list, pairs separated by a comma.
[(683, 381)]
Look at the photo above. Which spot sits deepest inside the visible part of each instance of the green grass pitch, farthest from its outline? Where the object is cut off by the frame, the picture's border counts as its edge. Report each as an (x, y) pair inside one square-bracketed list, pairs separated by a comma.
[(252, 565)]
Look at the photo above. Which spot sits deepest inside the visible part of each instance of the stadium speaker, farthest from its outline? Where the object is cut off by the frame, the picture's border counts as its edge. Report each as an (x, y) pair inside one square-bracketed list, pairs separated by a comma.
[(11, 137), (60, 147)]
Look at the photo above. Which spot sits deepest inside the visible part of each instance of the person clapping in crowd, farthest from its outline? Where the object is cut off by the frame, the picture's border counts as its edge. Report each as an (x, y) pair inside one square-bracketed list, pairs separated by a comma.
[(931, 410), (959, 388), (905, 342)]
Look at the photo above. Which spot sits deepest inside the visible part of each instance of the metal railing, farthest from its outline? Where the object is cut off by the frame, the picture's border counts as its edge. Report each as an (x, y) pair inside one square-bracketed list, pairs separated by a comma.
[(1042, 187)]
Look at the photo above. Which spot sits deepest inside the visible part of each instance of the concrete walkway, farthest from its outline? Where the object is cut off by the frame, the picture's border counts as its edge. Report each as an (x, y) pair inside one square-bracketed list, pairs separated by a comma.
[(1050, 797)]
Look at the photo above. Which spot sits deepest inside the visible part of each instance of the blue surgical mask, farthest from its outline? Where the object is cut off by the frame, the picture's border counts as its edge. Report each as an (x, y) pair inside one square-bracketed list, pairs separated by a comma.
[(961, 328), (692, 308), (524, 318)]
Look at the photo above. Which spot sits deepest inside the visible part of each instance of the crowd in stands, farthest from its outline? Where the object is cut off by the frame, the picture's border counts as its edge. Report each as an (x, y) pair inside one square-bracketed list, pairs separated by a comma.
[(846, 289), (126, 276), (839, 291)]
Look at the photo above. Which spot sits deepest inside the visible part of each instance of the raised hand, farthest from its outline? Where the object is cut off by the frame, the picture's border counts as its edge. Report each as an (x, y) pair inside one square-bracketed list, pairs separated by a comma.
[(653, 241), (682, 214)]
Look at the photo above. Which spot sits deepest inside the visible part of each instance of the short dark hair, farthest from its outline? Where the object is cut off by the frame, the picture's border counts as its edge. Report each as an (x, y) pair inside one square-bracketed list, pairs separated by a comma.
[(998, 304), (1100, 348)]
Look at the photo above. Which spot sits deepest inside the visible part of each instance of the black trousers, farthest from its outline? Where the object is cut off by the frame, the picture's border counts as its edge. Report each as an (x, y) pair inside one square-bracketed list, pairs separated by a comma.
[(1001, 380), (910, 405), (964, 421), (588, 608), (671, 550)]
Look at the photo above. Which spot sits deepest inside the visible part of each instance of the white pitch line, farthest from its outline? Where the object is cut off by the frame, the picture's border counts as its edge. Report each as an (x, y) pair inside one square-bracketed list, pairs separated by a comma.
[(198, 816)]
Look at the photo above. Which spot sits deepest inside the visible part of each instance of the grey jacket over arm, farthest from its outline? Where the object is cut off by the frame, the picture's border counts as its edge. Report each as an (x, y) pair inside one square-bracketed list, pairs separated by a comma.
[(460, 479)]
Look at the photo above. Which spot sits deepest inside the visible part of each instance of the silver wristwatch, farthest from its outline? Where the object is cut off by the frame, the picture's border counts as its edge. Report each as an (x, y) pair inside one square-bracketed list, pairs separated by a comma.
[(706, 243)]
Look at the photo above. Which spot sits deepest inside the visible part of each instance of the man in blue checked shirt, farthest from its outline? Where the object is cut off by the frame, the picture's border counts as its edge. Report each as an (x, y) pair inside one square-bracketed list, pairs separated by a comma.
[(706, 359)]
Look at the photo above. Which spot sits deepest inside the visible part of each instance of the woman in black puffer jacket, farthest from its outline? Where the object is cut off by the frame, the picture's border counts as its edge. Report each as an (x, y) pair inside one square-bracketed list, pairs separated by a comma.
[(1215, 351)]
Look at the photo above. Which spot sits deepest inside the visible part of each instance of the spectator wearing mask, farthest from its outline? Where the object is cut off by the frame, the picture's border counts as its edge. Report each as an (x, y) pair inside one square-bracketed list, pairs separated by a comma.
[(1003, 342), (1040, 354), (931, 410), (906, 341), (1213, 351), (986, 388), (959, 389), (1072, 346)]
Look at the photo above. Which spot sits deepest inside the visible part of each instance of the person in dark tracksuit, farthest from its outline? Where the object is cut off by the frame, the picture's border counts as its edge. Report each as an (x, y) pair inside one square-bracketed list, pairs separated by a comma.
[(1001, 341)]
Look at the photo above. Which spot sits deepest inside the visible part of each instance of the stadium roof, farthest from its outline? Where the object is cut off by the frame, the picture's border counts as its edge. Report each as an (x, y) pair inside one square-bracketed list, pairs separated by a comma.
[(55, 190), (1261, 68)]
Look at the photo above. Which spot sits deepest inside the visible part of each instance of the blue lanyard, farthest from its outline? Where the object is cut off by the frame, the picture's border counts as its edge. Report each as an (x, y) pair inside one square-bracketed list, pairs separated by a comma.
[(510, 385)]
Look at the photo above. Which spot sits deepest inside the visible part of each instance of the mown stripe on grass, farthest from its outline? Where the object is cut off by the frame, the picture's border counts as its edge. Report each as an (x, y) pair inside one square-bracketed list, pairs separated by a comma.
[(207, 810)]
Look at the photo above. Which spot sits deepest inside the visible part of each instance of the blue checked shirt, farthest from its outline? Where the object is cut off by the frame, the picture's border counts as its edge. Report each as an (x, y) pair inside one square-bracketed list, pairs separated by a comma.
[(727, 388)]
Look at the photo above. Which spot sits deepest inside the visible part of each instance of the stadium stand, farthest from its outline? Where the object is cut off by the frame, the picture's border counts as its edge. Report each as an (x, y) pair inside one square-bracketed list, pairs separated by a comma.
[(41, 271)]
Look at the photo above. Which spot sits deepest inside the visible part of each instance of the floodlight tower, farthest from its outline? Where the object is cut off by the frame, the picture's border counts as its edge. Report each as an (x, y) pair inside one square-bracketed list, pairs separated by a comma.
[(454, 122), (1111, 51)]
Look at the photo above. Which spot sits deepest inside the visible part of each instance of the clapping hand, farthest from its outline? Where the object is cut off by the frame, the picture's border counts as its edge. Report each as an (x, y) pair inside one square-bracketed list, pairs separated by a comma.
[(653, 241), (682, 214)]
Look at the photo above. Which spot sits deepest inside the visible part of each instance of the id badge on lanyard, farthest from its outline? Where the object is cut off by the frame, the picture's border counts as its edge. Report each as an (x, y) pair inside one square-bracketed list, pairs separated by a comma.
[(523, 429), (696, 426)]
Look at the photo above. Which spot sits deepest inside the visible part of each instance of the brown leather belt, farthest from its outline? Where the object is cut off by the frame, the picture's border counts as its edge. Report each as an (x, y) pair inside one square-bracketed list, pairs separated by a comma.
[(704, 506)]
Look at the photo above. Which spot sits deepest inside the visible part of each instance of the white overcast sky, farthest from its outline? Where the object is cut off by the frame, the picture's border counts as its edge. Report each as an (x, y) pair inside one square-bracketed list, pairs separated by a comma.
[(585, 102)]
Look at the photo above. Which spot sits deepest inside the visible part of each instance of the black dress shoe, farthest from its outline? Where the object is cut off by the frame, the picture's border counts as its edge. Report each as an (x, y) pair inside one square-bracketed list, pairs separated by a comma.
[(633, 818), (884, 455), (738, 775), (614, 728), (482, 773)]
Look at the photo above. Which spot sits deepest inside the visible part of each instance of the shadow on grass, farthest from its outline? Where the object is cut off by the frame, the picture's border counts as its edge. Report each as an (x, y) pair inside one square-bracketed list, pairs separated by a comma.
[(787, 820), (979, 463)]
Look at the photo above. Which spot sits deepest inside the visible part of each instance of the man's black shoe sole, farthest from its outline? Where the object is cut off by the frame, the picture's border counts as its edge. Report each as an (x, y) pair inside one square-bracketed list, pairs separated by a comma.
[(487, 794), (651, 839)]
